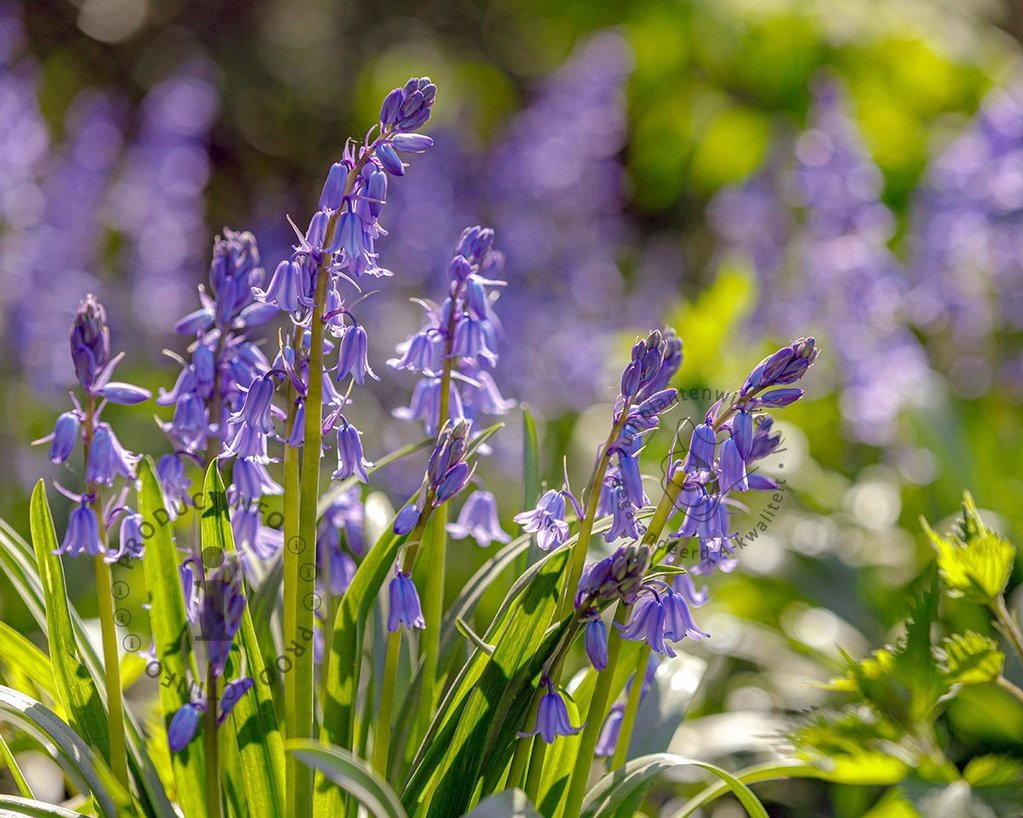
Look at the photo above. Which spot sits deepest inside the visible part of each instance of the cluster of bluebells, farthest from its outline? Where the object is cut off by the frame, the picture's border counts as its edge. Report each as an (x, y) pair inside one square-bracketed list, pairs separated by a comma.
[(460, 338), (699, 488), (966, 262), (833, 229), (221, 399), (340, 243), (218, 616), (447, 473), (108, 465)]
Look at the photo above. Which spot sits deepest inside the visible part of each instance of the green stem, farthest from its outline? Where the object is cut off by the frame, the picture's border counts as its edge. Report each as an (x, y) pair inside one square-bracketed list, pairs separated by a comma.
[(382, 737), (1009, 687), (211, 740), (1010, 627), (599, 704), (305, 600), (112, 667), (518, 764), (435, 555), (535, 773), (291, 561), (577, 559), (382, 740), (631, 708), (105, 601)]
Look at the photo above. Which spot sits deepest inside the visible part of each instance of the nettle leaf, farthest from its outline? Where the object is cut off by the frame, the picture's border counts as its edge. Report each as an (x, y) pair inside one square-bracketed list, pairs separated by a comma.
[(975, 563), (993, 771), (971, 658), (854, 746)]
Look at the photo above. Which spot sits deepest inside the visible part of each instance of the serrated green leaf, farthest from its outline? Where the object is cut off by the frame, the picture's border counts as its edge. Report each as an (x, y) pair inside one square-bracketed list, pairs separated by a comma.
[(976, 565), (351, 774), (73, 755), (253, 720), (613, 790), (971, 658), (170, 640), (76, 692), (993, 771)]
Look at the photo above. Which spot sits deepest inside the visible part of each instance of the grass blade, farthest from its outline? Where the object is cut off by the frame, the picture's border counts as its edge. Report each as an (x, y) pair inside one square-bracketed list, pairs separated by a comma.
[(13, 805)]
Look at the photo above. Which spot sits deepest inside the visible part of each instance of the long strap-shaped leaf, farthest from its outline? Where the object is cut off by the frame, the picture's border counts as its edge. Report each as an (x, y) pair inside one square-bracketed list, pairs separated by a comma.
[(351, 774), (73, 756), (614, 789), (259, 739), (76, 692), (507, 804), (19, 566), (13, 805), (170, 639)]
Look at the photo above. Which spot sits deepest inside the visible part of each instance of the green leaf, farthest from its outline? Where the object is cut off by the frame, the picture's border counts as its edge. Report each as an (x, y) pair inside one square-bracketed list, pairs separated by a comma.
[(170, 640), (853, 746), (769, 771), (473, 637), (340, 488), (614, 789), (993, 771), (76, 691), (18, 651), (73, 755), (253, 720), (12, 766), (12, 805), (530, 461), (18, 562), (975, 563), (351, 774), (972, 659), (507, 804)]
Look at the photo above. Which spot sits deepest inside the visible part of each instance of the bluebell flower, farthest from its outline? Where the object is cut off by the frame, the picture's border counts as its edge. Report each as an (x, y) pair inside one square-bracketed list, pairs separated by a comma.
[(406, 520), (66, 433), (287, 289), (346, 514), (632, 480), (732, 468), (222, 608), (785, 366), (618, 576), (595, 638), (108, 459), (701, 449), (256, 409), (231, 695), (82, 534), (250, 480), (405, 608), (609, 732), (683, 584), (547, 521), (352, 357), (478, 519), (125, 394), (350, 459), (552, 717), (661, 618), (624, 523), (170, 471), (90, 342), (131, 542)]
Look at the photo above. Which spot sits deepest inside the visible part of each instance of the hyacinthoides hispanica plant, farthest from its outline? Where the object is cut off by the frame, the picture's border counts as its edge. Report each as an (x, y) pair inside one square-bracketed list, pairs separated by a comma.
[(236, 664)]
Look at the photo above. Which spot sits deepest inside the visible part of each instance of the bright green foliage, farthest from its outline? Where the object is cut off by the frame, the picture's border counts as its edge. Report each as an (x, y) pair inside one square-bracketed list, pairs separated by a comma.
[(975, 563), (972, 659)]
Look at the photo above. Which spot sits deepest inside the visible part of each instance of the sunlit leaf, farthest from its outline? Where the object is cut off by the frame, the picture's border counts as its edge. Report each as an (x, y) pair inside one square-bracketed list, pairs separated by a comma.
[(972, 659)]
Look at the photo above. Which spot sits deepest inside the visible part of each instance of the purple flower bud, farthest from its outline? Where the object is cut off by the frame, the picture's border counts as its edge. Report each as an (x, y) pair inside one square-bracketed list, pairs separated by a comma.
[(631, 379), (232, 695), (412, 143), (405, 608), (596, 643), (392, 104), (460, 268), (130, 541), (552, 717), (90, 341), (658, 403), (758, 482), (251, 480), (780, 397), (764, 440), (82, 535), (124, 394), (183, 727), (195, 322), (787, 365), (66, 432), (628, 470), (478, 519), (608, 740), (170, 471), (334, 187), (406, 520), (350, 458), (453, 482), (390, 160), (349, 232), (353, 356), (317, 232)]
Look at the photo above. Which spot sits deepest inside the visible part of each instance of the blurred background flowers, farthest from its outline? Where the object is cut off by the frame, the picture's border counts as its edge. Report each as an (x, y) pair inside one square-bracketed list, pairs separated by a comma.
[(744, 171)]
